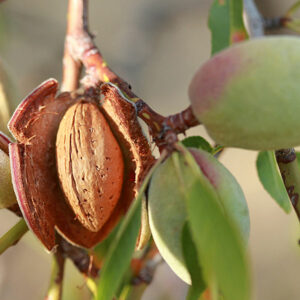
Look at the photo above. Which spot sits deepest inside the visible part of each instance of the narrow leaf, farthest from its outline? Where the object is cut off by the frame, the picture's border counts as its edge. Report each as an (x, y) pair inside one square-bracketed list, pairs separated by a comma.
[(192, 263), (100, 251), (237, 27), (271, 180), (219, 243), (197, 142), (121, 249), (226, 24), (120, 253), (219, 25), (298, 158)]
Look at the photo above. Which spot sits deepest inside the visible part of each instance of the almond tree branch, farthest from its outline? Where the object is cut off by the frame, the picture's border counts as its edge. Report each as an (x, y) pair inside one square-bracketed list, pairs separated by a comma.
[(258, 24), (290, 172), (276, 23), (254, 19), (81, 259), (286, 158), (81, 46), (71, 66), (142, 273)]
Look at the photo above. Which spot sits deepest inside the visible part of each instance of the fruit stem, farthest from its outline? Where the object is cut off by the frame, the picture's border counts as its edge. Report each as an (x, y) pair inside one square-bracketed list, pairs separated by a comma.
[(57, 275), (4, 142), (81, 47), (142, 273), (290, 173), (80, 258), (254, 19), (71, 66), (12, 237), (131, 292)]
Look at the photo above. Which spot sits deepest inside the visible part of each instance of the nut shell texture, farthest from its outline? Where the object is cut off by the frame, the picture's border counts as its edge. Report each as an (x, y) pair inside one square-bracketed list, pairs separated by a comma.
[(248, 95), (89, 164)]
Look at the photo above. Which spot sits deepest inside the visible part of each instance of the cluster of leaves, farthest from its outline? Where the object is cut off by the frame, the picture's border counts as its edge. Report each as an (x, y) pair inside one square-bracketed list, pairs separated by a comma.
[(209, 241)]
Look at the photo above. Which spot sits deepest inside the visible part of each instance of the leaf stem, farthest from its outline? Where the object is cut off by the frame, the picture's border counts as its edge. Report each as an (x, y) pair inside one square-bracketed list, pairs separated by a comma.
[(254, 19), (80, 257), (71, 66), (293, 9), (12, 237), (57, 274)]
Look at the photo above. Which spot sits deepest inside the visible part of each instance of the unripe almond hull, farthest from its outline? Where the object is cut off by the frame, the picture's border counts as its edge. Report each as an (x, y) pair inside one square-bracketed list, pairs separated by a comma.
[(248, 95)]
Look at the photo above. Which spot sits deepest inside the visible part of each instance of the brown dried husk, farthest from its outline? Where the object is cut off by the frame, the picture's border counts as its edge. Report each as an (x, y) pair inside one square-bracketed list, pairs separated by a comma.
[(34, 125), (136, 150)]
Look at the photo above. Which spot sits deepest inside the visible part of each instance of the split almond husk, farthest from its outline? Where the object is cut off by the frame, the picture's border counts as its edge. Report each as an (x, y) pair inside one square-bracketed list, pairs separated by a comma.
[(42, 193)]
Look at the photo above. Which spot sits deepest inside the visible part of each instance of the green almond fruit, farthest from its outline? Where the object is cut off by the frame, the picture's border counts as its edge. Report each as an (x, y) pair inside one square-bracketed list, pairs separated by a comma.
[(248, 96), (167, 209), (7, 195)]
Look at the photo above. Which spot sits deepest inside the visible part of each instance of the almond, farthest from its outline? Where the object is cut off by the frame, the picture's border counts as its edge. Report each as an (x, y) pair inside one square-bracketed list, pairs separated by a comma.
[(89, 163)]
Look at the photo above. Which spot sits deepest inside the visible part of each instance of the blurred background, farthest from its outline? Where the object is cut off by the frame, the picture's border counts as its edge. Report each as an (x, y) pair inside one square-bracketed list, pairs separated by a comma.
[(156, 46)]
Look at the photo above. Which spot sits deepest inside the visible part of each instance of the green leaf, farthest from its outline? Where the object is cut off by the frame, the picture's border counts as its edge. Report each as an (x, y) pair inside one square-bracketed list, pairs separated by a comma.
[(298, 157), (7, 195), (219, 25), (192, 263), (101, 250), (217, 150), (121, 249), (197, 142), (238, 30), (219, 243), (271, 180), (226, 24), (119, 255)]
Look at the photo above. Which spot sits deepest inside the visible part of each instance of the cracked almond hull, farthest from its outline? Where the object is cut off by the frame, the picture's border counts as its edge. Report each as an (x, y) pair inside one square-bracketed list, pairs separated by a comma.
[(34, 125)]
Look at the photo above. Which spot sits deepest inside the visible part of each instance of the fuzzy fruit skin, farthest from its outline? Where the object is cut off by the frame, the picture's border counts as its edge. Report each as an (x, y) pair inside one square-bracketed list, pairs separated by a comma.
[(7, 195), (248, 96), (167, 212)]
